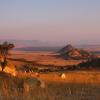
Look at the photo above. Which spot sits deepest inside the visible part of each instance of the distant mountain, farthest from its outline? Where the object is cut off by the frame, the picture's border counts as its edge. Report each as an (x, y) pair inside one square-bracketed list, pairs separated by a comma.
[(30, 43), (54, 49), (90, 47), (47, 46), (33, 45)]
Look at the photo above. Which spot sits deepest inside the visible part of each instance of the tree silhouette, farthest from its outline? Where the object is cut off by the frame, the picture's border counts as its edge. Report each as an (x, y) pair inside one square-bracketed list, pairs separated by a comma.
[(4, 64), (4, 51)]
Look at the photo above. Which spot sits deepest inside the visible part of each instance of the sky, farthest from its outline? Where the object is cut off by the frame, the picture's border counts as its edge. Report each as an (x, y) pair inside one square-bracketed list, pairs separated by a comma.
[(61, 21)]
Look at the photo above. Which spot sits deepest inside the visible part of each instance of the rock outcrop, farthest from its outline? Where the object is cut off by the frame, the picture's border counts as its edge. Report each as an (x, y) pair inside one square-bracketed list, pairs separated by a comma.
[(70, 52), (66, 49)]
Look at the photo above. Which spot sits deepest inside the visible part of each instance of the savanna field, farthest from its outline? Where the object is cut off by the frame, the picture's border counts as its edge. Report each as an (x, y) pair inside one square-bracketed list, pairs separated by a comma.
[(22, 84)]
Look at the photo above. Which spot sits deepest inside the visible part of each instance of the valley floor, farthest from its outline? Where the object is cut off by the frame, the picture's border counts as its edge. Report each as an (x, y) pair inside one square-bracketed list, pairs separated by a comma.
[(76, 85)]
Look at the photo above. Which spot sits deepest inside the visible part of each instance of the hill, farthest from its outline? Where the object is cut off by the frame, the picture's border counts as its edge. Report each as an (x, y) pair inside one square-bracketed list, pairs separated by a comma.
[(66, 49), (70, 52)]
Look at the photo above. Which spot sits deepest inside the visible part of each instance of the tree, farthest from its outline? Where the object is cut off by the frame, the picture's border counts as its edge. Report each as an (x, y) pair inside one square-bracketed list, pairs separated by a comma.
[(4, 51), (4, 64)]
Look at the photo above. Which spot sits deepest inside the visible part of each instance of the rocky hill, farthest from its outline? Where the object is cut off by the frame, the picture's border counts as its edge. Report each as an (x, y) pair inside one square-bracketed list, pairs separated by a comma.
[(66, 49), (70, 52)]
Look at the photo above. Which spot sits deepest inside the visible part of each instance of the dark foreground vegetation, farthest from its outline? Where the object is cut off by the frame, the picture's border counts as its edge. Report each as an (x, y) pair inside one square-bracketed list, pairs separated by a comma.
[(26, 88), (93, 63), (20, 88), (32, 66)]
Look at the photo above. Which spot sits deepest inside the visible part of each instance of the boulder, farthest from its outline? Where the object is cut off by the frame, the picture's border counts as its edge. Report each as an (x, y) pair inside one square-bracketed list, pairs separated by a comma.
[(63, 76)]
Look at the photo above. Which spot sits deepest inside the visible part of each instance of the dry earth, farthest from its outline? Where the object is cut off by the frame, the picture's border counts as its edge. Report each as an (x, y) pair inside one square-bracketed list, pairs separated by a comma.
[(42, 58)]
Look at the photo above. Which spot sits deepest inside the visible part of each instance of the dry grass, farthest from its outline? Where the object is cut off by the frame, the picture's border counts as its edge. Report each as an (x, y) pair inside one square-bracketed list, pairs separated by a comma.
[(42, 58), (77, 77), (78, 85), (14, 88)]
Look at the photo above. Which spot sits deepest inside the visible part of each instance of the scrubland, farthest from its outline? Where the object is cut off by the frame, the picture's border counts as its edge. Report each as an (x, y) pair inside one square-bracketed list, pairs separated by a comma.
[(77, 85)]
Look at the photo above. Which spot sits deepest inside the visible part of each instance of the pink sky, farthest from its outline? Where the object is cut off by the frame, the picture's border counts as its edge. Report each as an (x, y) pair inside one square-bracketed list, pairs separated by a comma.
[(62, 21)]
